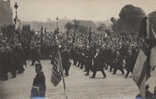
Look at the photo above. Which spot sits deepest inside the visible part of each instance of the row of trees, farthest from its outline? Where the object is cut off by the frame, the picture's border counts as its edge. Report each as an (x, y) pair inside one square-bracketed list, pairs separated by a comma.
[(128, 23), (130, 18)]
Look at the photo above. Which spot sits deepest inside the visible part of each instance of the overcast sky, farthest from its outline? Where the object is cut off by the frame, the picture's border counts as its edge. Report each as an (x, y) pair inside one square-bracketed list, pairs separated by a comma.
[(98, 10)]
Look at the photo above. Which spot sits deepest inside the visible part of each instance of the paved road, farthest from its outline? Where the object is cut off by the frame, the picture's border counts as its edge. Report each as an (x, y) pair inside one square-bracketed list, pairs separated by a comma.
[(78, 85)]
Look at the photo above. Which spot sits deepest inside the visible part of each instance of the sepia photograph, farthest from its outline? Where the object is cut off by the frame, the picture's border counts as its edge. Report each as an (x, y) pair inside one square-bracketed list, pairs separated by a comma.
[(77, 49)]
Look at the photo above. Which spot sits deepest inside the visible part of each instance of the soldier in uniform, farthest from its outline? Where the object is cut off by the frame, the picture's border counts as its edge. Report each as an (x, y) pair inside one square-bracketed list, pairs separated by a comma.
[(130, 61), (109, 56), (21, 58), (35, 55), (66, 61), (98, 64), (118, 63), (6, 53), (12, 61), (3, 64), (74, 55), (89, 57)]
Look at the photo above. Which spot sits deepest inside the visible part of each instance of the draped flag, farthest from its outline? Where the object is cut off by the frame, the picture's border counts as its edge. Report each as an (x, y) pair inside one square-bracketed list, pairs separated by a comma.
[(56, 73), (153, 58), (139, 72)]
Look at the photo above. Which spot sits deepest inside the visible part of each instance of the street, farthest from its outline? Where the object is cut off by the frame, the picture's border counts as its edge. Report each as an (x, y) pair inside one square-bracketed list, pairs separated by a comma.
[(78, 86)]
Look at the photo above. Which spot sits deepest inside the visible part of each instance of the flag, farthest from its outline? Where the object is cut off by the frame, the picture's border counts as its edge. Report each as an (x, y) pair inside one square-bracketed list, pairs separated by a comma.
[(57, 71), (140, 72), (146, 57), (139, 67), (56, 74), (153, 57)]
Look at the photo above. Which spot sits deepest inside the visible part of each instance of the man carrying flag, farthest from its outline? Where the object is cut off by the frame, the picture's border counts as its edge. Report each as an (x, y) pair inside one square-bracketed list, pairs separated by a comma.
[(56, 61), (57, 70), (142, 68)]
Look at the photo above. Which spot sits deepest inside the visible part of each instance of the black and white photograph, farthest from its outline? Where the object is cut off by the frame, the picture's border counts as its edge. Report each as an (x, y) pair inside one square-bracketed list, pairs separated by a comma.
[(77, 49)]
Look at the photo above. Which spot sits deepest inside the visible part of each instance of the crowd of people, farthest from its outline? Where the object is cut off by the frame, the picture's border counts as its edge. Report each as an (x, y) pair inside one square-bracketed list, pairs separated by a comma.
[(117, 51)]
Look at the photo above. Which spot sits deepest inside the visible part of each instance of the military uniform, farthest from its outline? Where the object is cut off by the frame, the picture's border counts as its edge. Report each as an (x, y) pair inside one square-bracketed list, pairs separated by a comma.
[(66, 62), (3, 64), (89, 57), (118, 63), (35, 55), (130, 61), (98, 64)]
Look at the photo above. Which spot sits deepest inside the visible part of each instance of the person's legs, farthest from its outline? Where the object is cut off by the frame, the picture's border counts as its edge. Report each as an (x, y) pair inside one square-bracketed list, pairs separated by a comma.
[(127, 74), (122, 71), (103, 72), (87, 70), (94, 74), (33, 62), (115, 70)]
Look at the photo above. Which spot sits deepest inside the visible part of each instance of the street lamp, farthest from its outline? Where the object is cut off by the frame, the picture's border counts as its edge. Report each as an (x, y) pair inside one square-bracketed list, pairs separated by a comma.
[(57, 19), (16, 7)]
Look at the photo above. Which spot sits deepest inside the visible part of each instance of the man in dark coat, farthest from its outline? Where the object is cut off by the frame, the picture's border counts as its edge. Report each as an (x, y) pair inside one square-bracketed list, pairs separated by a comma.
[(3, 63), (12, 62), (66, 61), (35, 54), (89, 57), (39, 83), (118, 63), (130, 61), (98, 64)]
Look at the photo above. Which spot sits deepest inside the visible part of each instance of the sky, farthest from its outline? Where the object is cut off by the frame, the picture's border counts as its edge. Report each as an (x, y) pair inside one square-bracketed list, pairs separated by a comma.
[(98, 10)]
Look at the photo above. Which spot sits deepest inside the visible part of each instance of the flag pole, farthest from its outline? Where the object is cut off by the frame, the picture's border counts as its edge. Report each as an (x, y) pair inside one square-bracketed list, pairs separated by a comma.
[(60, 60), (64, 84)]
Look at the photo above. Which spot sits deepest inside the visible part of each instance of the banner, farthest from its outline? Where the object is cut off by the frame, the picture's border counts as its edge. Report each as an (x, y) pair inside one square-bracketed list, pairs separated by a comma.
[(153, 57), (56, 74), (139, 72)]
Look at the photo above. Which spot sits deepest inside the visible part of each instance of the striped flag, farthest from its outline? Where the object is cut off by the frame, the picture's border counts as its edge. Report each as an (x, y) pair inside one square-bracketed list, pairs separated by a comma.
[(56, 73)]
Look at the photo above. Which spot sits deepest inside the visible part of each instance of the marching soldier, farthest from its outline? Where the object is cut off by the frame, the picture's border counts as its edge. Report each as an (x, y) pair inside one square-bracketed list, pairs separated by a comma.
[(118, 63), (130, 61), (98, 64), (89, 57), (35, 54), (3, 64), (66, 61)]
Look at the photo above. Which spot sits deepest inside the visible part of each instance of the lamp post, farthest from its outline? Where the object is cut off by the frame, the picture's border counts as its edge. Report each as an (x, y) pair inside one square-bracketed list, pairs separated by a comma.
[(16, 8), (57, 19)]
